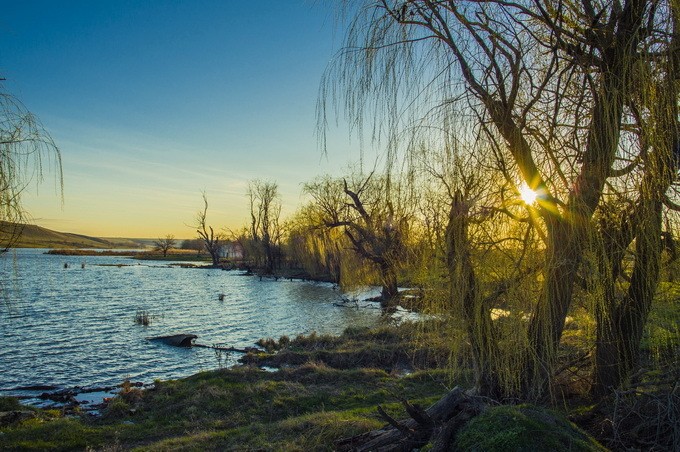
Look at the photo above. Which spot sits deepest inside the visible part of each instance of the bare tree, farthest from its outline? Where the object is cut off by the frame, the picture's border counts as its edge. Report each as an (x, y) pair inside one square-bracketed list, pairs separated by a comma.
[(265, 227), (164, 244), (211, 240), (374, 224)]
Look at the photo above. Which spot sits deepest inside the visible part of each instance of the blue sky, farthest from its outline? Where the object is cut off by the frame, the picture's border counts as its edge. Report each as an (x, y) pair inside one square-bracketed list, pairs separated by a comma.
[(152, 102)]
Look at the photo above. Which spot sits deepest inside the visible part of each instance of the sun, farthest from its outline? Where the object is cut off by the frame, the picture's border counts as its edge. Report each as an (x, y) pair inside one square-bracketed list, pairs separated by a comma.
[(528, 195)]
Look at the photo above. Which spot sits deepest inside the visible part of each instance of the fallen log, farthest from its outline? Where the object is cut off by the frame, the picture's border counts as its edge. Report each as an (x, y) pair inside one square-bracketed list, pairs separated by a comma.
[(438, 423), (187, 340)]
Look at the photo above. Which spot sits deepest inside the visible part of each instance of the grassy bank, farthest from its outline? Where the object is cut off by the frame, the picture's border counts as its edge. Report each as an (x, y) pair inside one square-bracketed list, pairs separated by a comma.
[(303, 407), (243, 408), (328, 388)]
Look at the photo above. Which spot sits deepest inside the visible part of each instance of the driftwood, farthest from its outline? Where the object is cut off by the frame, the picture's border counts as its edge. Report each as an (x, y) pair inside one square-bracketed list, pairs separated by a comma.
[(231, 349), (176, 340), (437, 424), (187, 340)]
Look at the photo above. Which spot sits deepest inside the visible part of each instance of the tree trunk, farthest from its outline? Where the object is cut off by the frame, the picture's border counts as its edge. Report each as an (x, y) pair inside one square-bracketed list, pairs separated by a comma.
[(620, 326), (634, 311), (615, 239), (563, 258), (215, 256), (465, 299), (390, 290), (268, 256), (448, 415)]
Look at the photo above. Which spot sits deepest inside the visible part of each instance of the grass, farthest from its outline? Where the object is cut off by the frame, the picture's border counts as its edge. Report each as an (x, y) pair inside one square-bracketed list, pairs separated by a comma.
[(90, 252), (388, 348), (302, 408), (324, 397), (10, 404), (662, 332), (33, 236), (173, 255)]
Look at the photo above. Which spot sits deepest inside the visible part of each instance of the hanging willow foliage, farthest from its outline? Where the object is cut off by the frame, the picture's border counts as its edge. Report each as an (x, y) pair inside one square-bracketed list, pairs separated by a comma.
[(576, 101), (26, 149)]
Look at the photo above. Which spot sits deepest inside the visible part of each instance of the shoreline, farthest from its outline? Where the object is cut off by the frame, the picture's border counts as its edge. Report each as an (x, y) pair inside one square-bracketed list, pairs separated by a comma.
[(325, 390), (287, 274)]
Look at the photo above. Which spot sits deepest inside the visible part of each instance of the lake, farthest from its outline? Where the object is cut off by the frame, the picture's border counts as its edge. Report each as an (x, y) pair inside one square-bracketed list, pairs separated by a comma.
[(76, 326)]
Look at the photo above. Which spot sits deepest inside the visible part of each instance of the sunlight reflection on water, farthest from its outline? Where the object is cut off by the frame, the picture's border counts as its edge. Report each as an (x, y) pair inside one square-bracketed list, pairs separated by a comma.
[(75, 326)]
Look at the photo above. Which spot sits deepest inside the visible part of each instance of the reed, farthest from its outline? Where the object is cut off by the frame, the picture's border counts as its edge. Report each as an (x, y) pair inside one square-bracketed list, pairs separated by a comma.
[(143, 317)]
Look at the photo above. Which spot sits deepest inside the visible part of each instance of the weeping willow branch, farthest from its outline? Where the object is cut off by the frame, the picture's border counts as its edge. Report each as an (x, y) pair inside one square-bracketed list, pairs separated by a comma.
[(26, 151), (549, 86)]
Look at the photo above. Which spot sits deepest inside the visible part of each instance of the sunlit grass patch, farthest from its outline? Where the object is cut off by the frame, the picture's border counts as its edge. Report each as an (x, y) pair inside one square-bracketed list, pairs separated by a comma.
[(389, 348), (319, 430)]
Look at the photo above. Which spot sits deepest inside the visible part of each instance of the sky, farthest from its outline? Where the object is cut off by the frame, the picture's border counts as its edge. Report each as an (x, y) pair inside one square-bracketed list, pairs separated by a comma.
[(153, 102)]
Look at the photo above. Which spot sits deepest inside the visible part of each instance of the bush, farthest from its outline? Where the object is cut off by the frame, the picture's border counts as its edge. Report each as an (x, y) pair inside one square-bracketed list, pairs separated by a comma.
[(11, 404)]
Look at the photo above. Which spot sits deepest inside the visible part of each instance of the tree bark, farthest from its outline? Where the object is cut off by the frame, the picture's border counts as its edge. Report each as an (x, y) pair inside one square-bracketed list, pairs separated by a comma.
[(616, 234), (620, 325), (215, 256), (390, 291), (465, 299), (563, 257)]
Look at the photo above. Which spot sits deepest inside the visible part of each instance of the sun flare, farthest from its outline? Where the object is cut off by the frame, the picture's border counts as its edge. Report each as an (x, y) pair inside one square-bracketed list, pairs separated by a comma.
[(528, 195)]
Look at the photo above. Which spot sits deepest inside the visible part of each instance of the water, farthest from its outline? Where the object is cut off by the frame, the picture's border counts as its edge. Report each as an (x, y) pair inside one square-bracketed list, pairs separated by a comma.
[(76, 326)]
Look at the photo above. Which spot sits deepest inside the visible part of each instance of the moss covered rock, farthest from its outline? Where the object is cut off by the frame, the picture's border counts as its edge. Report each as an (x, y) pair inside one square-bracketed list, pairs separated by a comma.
[(523, 428)]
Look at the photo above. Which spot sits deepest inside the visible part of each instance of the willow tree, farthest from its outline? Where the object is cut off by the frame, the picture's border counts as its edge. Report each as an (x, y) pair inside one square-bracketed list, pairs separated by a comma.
[(26, 148), (314, 247), (637, 228), (549, 84), (373, 220)]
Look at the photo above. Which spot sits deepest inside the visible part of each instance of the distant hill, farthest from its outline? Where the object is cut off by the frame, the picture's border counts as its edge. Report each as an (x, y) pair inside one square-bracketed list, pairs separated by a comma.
[(33, 236)]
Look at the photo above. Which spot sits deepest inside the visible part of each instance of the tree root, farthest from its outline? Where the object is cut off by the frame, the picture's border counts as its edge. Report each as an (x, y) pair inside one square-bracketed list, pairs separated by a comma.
[(438, 424)]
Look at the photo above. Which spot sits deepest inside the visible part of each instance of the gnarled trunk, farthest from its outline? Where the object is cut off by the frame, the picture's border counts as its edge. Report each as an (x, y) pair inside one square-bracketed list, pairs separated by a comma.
[(466, 299), (620, 325), (563, 258), (390, 290), (215, 256)]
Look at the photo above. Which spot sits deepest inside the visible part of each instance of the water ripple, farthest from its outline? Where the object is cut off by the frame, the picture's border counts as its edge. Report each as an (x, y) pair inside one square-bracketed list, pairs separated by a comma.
[(75, 326)]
